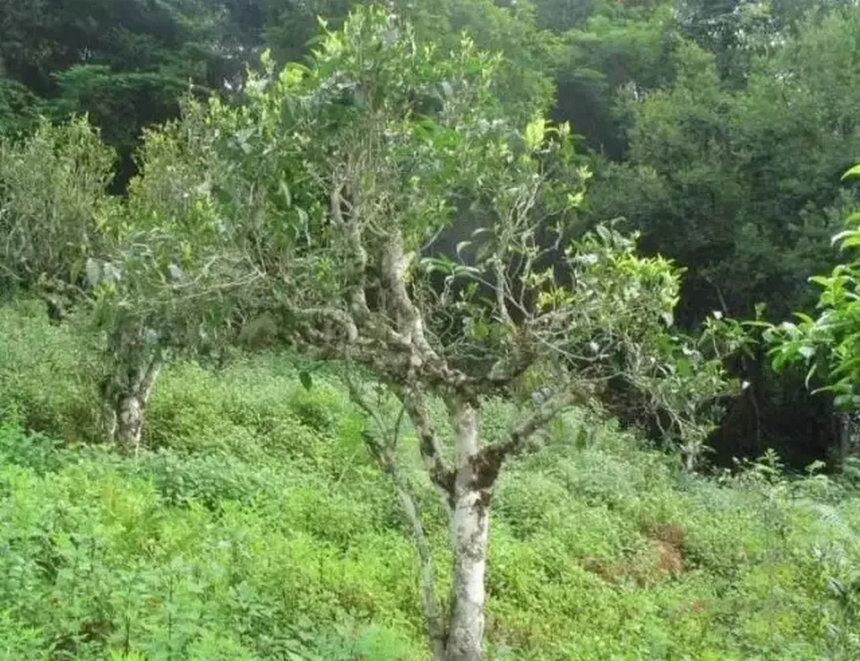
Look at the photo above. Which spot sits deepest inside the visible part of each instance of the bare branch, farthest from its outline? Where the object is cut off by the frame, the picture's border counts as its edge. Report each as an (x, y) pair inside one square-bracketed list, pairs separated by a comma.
[(441, 474), (359, 399), (507, 369), (432, 609), (382, 450), (357, 251), (521, 433), (501, 292), (313, 315), (410, 322), (150, 375)]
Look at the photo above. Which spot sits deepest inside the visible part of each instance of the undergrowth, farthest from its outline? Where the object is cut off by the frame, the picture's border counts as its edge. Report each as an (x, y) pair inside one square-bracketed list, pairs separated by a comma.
[(255, 527)]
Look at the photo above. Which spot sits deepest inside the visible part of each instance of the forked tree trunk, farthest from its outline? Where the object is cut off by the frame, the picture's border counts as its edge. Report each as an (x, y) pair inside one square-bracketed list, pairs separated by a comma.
[(470, 525), (130, 416)]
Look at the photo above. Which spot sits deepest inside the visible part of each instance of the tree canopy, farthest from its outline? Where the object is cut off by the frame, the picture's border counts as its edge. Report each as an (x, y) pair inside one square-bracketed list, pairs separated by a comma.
[(691, 115)]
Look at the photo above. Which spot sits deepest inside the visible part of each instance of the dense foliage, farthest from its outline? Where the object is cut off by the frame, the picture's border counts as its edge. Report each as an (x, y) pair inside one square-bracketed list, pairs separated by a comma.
[(701, 107), (828, 345), (256, 526), (324, 277), (318, 202)]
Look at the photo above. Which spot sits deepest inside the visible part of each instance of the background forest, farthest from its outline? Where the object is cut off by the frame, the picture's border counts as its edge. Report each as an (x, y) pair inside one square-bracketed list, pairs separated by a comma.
[(719, 130), (186, 185)]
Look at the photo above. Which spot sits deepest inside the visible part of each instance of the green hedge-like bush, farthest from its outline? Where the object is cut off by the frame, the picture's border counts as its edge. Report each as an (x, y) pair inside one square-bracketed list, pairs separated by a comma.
[(47, 378)]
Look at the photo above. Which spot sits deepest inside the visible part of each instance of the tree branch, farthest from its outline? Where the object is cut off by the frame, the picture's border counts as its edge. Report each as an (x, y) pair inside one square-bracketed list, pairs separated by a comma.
[(357, 252), (332, 315), (509, 368), (432, 609), (441, 474), (521, 433), (150, 375), (383, 452)]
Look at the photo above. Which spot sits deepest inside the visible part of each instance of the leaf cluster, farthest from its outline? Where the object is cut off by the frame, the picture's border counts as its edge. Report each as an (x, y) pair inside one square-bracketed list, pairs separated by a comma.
[(829, 343)]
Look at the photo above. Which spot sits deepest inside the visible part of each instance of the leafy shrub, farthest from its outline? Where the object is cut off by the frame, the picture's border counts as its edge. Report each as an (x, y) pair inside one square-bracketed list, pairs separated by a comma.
[(133, 558), (31, 450), (46, 373), (53, 192)]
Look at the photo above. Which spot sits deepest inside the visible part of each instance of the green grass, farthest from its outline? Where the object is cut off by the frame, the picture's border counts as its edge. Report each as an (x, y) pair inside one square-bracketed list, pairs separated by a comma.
[(255, 527)]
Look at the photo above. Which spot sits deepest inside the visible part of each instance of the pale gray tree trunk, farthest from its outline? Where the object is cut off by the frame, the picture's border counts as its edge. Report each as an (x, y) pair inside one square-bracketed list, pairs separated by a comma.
[(689, 461), (467, 487), (849, 437), (470, 525), (125, 404), (130, 416)]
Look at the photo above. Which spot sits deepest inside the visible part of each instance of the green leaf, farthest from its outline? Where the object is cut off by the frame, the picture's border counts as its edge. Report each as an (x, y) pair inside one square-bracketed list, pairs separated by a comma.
[(840, 236), (535, 133), (852, 172), (575, 199), (843, 401), (438, 265), (806, 351), (851, 241), (480, 329)]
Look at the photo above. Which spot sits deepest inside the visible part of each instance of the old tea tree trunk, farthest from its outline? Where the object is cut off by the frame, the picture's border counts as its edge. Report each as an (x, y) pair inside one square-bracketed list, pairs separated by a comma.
[(413, 368), (456, 632), (127, 387), (470, 527), (457, 629), (363, 281), (476, 470)]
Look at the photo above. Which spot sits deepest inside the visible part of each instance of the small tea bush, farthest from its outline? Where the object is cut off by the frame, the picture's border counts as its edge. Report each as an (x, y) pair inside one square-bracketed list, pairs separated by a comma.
[(46, 373)]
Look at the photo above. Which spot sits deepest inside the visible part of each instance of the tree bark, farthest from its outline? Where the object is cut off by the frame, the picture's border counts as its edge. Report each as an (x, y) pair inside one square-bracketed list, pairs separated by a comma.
[(848, 432), (129, 416), (470, 525), (125, 405)]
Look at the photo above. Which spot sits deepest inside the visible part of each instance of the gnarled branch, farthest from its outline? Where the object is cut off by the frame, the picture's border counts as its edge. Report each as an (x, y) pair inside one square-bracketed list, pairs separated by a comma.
[(441, 474), (495, 454), (383, 451)]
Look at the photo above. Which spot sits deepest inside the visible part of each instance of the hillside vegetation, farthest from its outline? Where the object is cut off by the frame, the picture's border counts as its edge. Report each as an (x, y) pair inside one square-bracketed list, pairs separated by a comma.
[(429, 329), (255, 526)]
